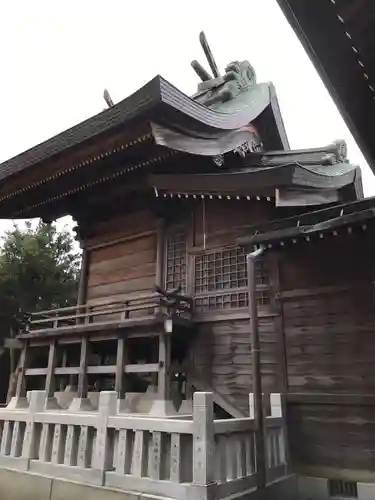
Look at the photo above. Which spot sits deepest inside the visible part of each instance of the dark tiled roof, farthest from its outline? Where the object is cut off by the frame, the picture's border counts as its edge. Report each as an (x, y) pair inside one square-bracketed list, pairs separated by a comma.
[(157, 99)]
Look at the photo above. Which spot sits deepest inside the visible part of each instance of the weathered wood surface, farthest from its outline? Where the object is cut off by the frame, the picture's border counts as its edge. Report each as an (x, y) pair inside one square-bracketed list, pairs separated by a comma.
[(122, 257), (332, 435), (222, 351), (121, 227), (329, 325), (222, 217)]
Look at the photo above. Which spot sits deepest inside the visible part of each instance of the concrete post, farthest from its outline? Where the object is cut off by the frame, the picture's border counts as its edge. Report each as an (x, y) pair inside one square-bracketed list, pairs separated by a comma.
[(104, 446), (31, 441), (204, 445), (278, 410)]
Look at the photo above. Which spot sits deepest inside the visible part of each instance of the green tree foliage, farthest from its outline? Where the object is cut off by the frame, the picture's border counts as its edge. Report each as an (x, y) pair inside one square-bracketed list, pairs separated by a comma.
[(39, 269)]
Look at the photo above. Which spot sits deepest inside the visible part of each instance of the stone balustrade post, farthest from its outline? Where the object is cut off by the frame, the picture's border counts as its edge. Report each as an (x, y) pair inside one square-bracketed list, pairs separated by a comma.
[(204, 483), (276, 406), (104, 446), (278, 410), (31, 440)]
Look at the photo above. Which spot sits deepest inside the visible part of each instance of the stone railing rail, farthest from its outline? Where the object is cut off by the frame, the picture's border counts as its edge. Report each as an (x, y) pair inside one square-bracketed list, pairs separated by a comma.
[(175, 458)]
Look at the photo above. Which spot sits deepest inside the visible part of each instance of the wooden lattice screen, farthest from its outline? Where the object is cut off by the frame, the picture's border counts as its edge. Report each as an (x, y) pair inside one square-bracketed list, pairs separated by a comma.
[(220, 281), (175, 274)]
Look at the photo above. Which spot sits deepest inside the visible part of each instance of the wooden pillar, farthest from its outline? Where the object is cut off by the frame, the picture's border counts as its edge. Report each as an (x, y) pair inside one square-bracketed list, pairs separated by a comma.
[(21, 379), (62, 384), (160, 254), (82, 288), (159, 273), (120, 366), (274, 261), (81, 299), (164, 381), (50, 378), (82, 377), (159, 270)]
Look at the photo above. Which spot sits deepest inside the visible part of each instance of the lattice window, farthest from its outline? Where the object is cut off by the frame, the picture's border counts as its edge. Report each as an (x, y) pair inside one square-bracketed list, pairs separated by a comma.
[(221, 281), (175, 273)]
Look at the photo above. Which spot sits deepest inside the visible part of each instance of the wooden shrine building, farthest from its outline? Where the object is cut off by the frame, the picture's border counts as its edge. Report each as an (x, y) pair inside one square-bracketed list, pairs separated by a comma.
[(170, 193)]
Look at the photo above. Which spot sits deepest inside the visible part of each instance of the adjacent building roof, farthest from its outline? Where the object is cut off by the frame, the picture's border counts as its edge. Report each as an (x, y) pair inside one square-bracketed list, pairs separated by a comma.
[(339, 37), (333, 220)]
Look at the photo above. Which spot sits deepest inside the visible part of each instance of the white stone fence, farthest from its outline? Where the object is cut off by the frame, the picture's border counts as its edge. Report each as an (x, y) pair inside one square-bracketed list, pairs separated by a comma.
[(171, 457)]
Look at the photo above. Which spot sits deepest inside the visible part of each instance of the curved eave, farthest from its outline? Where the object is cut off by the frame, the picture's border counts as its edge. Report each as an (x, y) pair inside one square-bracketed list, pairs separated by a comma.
[(328, 33), (254, 180), (159, 100)]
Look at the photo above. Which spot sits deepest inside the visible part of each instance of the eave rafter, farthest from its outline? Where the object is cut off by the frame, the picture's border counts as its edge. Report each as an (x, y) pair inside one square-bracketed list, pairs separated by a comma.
[(332, 222), (113, 176), (74, 166), (210, 196)]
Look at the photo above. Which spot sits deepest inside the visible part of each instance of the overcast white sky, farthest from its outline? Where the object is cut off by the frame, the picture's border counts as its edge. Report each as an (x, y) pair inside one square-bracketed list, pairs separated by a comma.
[(57, 57)]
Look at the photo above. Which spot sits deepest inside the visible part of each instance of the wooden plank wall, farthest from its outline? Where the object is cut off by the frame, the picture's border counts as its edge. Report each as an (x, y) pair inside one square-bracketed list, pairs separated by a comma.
[(222, 354), (218, 219), (122, 259), (221, 349), (329, 326)]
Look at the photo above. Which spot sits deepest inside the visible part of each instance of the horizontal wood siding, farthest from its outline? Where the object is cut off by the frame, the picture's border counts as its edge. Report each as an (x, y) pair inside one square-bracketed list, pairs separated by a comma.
[(122, 259), (221, 354), (342, 437), (329, 325)]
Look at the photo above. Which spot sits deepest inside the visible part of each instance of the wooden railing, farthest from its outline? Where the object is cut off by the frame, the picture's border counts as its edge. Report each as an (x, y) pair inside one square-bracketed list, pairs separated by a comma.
[(171, 457), (136, 308)]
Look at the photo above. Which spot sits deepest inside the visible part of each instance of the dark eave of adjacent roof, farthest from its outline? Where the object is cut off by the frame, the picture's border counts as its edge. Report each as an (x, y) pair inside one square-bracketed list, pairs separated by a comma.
[(309, 224), (339, 37), (157, 100)]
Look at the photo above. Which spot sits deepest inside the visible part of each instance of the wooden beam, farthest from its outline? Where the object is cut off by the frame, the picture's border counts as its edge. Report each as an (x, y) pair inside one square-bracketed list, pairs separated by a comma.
[(82, 377), (144, 368), (36, 372), (67, 370), (50, 378), (101, 369), (13, 344), (94, 327)]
